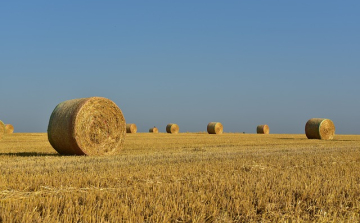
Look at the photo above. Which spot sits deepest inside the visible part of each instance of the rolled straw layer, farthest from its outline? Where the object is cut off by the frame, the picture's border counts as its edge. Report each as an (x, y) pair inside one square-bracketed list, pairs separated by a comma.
[(87, 126), (9, 129), (319, 128), (262, 129), (215, 128), (172, 128), (131, 128)]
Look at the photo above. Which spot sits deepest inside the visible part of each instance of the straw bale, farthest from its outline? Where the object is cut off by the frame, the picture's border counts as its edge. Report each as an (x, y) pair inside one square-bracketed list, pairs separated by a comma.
[(87, 126), (2, 130), (319, 128), (262, 129), (172, 128), (215, 128), (9, 129), (154, 130), (131, 128)]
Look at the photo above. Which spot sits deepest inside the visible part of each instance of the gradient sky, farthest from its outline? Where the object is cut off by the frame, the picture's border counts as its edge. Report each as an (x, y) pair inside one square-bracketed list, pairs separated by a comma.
[(241, 63)]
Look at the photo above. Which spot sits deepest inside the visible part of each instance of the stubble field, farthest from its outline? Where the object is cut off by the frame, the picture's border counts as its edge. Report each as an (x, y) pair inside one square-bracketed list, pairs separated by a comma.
[(185, 177)]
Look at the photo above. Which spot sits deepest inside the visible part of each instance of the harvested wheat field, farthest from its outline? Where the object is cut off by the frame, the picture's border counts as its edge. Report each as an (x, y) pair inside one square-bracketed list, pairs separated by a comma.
[(187, 177)]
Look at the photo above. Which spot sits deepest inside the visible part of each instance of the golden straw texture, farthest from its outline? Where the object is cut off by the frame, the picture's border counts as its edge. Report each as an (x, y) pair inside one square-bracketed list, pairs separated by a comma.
[(215, 128), (319, 128), (172, 128), (131, 128), (262, 129), (9, 129), (154, 130), (87, 126), (2, 130)]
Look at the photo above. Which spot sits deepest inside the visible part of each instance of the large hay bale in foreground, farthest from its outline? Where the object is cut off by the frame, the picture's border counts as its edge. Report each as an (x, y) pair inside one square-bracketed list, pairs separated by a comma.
[(154, 130), (131, 128), (262, 129), (9, 129), (87, 126), (172, 128), (319, 128), (2, 130), (215, 128)]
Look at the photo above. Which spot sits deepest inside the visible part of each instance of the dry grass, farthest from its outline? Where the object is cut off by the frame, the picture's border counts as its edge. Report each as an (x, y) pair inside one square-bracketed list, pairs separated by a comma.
[(320, 128), (87, 126), (186, 177)]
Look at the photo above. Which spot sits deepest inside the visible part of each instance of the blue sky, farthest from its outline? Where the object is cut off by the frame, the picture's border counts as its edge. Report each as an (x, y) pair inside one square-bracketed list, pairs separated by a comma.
[(241, 63)]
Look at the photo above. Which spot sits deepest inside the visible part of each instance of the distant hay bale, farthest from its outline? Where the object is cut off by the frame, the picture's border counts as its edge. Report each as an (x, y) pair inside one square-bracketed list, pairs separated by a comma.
[(215, 128), (87, 126), (154, 130), (319, 128), (172, 128), (262, 129), (131, 128), (9, 129), (2, 130)]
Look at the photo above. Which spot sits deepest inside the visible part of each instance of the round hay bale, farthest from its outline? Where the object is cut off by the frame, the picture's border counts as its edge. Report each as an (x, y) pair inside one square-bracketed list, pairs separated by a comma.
[(9, 129), (2, 130), (215, 128), (131, 128), (319, 128), (87, 126), (154, 130), (262, 129), (172, 128)]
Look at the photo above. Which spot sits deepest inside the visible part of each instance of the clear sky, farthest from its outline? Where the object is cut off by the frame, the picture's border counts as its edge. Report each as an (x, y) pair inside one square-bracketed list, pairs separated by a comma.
[(241, 63)]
